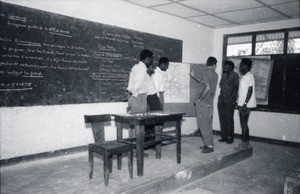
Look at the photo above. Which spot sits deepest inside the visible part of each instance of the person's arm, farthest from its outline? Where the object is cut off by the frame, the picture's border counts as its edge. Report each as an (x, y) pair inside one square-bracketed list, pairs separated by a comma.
[(139, 77), (202, 92), (235, 89), (249, 94), (194, 76), (162, 99)]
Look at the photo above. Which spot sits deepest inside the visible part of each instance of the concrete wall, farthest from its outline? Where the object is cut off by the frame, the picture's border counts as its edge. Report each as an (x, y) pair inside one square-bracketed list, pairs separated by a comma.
[(262, 124)]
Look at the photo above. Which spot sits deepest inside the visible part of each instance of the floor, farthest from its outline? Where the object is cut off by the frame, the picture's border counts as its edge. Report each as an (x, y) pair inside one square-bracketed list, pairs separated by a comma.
[(264, 172)]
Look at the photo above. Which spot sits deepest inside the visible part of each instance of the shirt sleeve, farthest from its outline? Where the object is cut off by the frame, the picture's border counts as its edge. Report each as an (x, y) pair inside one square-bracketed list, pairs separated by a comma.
[(250, 80), (137, 78)]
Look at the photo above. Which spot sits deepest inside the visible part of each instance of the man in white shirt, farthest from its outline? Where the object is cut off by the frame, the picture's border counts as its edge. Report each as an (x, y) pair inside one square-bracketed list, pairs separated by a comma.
[(138, 83), (159, 78), (246, 100)]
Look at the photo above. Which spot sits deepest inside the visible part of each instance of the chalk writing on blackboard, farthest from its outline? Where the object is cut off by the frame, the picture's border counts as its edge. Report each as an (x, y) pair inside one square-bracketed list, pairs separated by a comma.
[(46, 58)]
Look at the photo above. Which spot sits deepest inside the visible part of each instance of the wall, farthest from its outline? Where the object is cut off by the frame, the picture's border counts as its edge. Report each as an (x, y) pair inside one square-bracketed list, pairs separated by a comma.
[(30, 130), (277, 126)]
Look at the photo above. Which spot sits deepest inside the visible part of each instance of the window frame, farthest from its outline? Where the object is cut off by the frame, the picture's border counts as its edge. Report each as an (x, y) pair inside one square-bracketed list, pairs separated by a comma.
[(266, 108)]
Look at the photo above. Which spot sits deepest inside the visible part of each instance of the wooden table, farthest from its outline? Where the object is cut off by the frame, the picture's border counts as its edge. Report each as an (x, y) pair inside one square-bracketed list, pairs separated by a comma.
[(138, 121)]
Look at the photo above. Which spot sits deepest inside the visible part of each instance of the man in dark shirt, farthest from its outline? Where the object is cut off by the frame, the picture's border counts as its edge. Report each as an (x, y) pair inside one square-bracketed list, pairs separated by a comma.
[(226, 103), (203, 101)]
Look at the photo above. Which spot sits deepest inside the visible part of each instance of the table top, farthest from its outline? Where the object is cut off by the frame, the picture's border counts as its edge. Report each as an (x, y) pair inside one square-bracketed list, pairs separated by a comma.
[(148, 117)]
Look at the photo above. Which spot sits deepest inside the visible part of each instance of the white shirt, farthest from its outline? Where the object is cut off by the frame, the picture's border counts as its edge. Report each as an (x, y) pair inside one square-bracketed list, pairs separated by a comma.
[(151, 89), (245, 82), (159, 78), (137, 83)]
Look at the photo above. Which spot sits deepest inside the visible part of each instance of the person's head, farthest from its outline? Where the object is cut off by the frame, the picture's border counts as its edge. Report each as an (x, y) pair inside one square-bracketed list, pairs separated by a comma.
[(245, 65), (163, 63), (146, 56), (228, 66), (211, 62)]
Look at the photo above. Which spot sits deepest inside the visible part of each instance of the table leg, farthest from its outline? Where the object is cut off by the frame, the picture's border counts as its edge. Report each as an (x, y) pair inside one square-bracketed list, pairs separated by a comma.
[(119, 138), (140, 142), (158, 132), (178, 141)]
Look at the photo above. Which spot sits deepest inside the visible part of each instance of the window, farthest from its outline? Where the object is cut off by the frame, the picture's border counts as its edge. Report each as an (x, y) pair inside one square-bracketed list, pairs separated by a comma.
[(239, 46), (282, 47), (271, 43), (294, 42)]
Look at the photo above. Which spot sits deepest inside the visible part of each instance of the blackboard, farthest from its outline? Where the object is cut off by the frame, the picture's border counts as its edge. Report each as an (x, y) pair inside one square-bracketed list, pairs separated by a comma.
[(49, 59)]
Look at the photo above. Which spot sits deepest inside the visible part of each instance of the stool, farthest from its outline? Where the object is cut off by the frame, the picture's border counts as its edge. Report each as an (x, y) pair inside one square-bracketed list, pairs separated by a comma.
[(107, 150)]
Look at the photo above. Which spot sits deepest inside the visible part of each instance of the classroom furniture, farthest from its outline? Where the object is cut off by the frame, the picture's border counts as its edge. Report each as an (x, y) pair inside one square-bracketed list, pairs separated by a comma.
[(97, 122), (107, 149), (137, 121)]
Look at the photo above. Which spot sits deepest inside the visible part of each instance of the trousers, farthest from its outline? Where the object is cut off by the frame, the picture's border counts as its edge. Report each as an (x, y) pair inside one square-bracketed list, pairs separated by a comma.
[(204, 114), (244, 113), (226, 112)]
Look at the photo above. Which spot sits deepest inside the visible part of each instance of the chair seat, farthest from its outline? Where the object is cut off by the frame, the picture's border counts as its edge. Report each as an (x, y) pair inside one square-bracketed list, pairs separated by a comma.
[(107, 149), (112, 147)]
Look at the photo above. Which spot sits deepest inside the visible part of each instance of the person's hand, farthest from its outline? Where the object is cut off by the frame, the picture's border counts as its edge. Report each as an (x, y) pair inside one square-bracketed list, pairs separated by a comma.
[(244, 106), (128, 109)]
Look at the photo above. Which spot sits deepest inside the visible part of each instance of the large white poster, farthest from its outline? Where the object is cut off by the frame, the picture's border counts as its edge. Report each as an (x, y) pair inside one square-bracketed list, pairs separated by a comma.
[(177, 87)]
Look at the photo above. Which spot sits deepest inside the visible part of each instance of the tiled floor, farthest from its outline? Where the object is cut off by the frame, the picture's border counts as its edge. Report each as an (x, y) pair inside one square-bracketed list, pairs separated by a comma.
[(263, 173)]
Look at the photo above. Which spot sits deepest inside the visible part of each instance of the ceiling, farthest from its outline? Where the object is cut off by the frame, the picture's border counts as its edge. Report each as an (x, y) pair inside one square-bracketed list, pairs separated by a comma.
[(225, 13)]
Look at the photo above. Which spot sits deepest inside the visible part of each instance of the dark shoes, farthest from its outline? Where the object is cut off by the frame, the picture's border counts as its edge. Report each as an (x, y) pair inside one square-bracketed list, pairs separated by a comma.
[(206, 149), (229, 141), (222, 140)]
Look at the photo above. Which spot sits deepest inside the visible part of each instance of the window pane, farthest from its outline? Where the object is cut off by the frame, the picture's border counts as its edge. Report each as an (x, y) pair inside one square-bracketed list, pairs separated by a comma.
[(239, 49), (271, 43), (294, 42), (239, 39)]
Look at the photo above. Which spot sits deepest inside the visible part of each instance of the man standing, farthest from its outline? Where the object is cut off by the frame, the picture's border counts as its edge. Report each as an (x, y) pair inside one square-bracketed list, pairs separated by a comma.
[(204, 103), (226, 102), (159, 78), (246, 100), (138, 82)]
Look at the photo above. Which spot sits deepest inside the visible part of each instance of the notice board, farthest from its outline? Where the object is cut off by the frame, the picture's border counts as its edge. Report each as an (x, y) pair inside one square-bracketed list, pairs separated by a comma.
[(50, 59)]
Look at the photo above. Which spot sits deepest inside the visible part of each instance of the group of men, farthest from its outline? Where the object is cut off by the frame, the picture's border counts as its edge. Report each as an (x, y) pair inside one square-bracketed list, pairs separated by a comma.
[(234, 92), (147, 89)]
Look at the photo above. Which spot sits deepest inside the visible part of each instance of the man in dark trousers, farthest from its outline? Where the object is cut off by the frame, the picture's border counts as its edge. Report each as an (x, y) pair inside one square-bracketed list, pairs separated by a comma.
[(227, 100)]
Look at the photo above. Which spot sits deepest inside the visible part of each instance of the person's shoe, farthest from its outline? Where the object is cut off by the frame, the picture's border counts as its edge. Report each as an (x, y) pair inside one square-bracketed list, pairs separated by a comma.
[(223, 140), (230, 141), (202, 147), (207, 149)]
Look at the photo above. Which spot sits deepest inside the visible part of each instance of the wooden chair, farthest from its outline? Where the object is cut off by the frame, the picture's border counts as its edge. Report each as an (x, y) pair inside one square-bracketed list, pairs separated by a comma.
[(107, 149)]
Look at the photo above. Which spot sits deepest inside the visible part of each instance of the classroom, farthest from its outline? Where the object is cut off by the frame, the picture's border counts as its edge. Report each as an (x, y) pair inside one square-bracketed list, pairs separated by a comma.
[(44, 95)]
